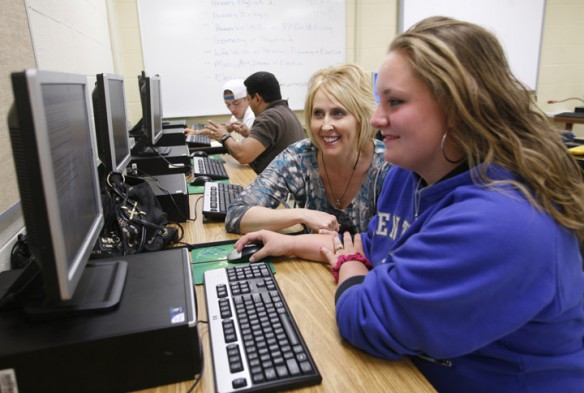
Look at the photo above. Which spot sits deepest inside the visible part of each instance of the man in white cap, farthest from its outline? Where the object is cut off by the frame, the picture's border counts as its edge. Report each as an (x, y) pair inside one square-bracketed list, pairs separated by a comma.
[(235, 96), (242, 117)]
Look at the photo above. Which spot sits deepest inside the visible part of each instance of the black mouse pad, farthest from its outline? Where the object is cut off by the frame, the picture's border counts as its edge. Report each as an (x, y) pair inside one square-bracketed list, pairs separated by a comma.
[(209, 256)]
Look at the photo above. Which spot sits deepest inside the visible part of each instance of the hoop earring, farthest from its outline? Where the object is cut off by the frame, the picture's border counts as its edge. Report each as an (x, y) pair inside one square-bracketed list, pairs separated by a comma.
[(444, 154)]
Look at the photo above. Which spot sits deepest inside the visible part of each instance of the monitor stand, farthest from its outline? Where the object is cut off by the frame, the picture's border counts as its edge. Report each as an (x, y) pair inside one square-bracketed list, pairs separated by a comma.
[(99, 289)]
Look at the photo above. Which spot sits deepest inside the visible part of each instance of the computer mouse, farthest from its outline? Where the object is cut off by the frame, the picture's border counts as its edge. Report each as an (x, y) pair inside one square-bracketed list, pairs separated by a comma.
[(201, 180), (247, 251), (199, 153)]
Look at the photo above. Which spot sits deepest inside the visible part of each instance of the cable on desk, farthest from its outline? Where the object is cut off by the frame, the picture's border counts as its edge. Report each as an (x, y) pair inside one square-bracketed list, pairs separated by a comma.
[(199, 376), (181, 230), (188, 246), (196, 203)]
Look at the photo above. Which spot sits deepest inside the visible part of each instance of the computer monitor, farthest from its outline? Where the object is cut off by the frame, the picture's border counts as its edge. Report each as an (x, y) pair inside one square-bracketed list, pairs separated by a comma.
[(109, 108), (51, 135), (151, 117)]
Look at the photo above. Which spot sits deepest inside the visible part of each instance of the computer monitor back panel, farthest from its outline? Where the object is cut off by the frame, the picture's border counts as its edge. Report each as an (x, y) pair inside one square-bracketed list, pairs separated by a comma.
[(151, 107), (51, 134), (156, 108), (109, 105)]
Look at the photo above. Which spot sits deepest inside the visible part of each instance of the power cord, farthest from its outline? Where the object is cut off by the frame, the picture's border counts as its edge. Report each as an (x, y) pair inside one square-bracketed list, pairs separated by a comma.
[(201, 357)]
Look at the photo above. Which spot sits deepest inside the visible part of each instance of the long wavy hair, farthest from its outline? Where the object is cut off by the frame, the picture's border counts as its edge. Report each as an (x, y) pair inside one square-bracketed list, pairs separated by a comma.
[(352, 87), (493, 117)]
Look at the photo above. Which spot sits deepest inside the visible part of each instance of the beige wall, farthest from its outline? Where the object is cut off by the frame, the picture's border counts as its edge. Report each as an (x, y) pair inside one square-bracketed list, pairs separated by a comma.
[(16, 53), (561, 68)]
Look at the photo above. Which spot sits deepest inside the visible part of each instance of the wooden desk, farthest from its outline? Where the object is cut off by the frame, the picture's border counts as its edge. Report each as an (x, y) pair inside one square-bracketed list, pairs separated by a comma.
[(309, 290), (568, 121)]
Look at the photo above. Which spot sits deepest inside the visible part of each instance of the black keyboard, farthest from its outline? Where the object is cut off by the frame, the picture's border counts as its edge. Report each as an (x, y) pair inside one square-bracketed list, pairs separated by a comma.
[(195, 140), (578, 115), (255, 343), (211, 167), (217, 197)]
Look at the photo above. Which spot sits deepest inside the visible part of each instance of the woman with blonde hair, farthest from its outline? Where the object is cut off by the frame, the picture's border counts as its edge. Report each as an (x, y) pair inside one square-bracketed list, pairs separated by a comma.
[(334, 176)]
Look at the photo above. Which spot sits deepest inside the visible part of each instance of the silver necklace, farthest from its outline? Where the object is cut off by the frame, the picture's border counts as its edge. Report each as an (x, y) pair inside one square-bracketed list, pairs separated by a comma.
[(338, 200)]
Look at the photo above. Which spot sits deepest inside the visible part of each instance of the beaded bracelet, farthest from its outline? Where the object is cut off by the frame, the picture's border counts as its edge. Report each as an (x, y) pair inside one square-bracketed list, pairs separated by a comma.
[(346, 258)]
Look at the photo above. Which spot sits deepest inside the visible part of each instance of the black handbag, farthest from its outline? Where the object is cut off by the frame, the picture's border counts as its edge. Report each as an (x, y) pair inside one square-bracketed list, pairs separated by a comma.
[(134, 220)]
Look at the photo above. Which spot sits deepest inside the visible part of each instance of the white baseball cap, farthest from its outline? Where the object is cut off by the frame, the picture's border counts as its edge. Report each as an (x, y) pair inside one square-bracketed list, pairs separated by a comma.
[(237, 89)]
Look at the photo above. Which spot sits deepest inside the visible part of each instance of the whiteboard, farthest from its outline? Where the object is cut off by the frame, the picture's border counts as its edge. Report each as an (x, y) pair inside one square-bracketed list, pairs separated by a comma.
[(518, 24), (196, 45)]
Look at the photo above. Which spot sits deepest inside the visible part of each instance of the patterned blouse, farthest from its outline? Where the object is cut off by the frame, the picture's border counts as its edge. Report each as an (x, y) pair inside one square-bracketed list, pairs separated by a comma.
[(295, 171)]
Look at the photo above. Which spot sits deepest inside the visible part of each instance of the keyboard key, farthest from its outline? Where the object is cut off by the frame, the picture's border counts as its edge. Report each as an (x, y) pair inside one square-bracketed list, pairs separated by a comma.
[(239, 383)]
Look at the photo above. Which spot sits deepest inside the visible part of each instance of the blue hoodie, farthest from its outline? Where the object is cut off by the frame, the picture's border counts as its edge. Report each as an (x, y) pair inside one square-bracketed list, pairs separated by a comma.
[(482, 290)]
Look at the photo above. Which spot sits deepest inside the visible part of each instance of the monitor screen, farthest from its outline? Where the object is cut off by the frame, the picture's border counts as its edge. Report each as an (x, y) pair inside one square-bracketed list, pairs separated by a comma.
[(51, 135), (109, 107)]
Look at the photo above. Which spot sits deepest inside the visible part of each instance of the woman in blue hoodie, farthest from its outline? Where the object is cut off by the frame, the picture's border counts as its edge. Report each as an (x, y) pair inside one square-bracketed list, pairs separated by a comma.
[(471, 265)]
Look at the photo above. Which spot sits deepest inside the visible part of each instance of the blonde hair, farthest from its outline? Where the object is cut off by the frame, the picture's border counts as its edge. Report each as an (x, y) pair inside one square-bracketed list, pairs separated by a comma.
[(492, 116), (350, 85)]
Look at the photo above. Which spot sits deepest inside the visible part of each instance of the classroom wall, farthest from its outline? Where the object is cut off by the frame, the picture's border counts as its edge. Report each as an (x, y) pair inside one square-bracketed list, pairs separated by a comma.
[(15, 53), (94, 36)]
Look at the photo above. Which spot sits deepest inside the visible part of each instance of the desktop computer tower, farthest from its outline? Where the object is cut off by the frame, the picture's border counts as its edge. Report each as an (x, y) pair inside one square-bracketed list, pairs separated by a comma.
[(151, 339), (172, 137), (172, 194), (166, 124), (176, 161)]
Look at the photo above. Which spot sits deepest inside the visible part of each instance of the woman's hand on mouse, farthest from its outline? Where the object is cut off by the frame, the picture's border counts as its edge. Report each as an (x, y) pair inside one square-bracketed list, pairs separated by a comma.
[(274, 244)]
